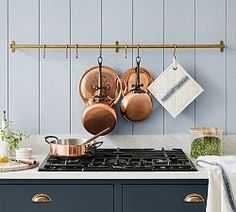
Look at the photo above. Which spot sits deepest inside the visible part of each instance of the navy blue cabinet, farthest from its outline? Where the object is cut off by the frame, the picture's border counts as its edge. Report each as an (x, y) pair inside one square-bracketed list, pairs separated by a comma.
[(61, 198), (101, 195), (163, 198)]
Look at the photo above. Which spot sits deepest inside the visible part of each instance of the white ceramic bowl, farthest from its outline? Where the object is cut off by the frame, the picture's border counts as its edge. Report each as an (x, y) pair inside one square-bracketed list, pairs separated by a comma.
[(23, 153)]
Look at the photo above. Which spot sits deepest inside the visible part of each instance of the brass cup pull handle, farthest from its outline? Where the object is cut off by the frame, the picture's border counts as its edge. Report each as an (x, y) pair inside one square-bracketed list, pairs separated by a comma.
[(41, 198), (194, 198)]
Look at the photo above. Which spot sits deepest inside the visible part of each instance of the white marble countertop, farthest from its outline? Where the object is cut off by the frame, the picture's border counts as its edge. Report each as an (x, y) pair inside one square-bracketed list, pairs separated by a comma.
[(40, 150)]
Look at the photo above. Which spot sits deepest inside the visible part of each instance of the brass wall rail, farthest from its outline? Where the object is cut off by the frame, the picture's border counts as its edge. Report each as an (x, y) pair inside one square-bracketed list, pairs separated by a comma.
[(115, 46)]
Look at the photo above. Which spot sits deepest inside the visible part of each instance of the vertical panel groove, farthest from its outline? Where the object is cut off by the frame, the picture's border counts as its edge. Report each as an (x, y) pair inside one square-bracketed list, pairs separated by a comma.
[(132, 30), (231, 66), (132, 34), (8, 62), (70, 67), (163, 64), (226, 67), (101, 23), (39, 67), (194, 60)]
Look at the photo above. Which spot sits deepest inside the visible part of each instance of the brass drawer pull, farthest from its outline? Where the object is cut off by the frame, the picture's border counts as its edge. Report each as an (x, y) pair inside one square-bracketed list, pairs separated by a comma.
[(193, 197), (41, 198)]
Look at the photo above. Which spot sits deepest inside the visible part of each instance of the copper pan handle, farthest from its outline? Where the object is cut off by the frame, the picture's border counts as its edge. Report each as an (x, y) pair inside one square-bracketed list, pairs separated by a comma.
[(118, 83), (95, 145), (48, 138), (124, 88), (97, 135)]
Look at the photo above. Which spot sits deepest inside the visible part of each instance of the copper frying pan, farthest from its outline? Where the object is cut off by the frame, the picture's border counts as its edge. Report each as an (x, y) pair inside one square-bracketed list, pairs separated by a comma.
[(136, 104)]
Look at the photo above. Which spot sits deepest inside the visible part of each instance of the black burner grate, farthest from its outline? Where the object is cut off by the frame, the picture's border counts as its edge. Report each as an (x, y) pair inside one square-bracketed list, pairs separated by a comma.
[(122, 160)]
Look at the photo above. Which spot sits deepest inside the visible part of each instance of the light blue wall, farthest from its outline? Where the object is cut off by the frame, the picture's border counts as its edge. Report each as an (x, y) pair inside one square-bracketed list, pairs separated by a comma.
[(41, 94)]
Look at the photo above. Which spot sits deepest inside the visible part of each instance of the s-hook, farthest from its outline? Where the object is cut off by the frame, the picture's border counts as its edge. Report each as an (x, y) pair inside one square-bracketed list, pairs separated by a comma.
[(138, 61), (76, 51), (44, 51), (67, 46), (100, 60), (126, 47)]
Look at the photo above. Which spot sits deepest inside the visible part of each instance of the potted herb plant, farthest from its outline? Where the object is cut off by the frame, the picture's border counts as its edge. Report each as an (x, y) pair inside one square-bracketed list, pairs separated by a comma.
[(9, 138), (14, 139)]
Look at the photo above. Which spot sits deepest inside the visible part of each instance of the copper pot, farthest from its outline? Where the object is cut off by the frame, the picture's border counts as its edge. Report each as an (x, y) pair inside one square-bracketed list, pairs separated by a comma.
[(136, 104), (99, 114), (100, 88), (70, 147), (73, 147)]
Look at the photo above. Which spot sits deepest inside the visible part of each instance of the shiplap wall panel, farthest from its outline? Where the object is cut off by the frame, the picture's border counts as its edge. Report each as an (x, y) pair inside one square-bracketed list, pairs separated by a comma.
[(210, 63), (110, 33), (231, 65), (148, 28), (55, 68), (42, 93), (179, 28), (3, 53), (86, 29), (23, 72)]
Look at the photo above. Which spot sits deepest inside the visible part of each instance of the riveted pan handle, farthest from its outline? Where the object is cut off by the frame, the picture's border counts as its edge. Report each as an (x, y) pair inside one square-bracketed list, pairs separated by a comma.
[(95, 145), (50, 138)]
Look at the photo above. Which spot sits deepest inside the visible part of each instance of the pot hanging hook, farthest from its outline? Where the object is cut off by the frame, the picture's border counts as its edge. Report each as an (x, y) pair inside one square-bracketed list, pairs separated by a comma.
[(44, 51), (67, 46), (126, 47), (138, 46), (76, 51), (100, 60), (138, 61)]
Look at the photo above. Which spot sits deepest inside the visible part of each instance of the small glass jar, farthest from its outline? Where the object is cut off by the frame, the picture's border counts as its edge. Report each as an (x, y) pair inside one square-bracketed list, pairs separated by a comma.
[(206, 141)]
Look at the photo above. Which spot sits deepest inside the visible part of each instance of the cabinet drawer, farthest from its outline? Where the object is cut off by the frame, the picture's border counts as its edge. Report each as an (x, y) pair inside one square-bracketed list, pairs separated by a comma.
[(168, 198), (64, 198)]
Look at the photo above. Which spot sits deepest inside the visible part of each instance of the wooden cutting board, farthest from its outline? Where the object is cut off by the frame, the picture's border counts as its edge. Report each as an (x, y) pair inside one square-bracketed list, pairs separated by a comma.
[(15, 166)]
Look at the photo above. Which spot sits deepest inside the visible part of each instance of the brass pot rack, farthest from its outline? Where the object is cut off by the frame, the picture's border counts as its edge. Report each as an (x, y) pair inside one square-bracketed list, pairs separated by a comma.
[(115, 46)]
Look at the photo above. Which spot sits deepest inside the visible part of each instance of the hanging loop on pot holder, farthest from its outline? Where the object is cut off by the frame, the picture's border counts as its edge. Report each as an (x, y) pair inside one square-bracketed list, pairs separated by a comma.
[(175, 57)]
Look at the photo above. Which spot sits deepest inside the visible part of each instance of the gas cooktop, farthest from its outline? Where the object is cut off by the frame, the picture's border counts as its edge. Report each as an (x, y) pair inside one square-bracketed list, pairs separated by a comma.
[(122, 160)]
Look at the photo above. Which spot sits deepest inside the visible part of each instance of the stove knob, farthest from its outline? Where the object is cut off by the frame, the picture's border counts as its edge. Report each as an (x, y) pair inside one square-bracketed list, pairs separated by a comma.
[(193, 198), (41, 198)]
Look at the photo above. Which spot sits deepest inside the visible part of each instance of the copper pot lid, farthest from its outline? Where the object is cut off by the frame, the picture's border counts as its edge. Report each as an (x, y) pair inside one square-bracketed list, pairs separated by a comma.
[(129, 80), (87, 86)]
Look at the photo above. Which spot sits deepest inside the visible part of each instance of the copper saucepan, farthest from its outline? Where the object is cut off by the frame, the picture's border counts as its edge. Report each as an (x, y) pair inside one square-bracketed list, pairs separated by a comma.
[(100, 88), (136, 104), (99, 114), (73, 147)]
